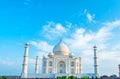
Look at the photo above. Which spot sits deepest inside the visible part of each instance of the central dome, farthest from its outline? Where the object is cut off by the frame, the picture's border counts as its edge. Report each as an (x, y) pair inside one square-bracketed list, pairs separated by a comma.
[(60, 49)]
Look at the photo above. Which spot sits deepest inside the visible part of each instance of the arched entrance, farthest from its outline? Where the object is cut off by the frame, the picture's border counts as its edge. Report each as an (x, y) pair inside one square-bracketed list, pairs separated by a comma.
[(61, 67)]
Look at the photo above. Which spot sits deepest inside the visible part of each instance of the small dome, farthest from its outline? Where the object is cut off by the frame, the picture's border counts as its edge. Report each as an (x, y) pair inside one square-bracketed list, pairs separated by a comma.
[(51, 54), (27, 44), (71, 55), (95, 47), (61, 49)]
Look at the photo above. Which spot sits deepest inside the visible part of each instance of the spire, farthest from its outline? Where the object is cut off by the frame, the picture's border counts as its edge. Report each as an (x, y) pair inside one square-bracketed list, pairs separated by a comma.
[(95, 47), (25, 62), (61, 40), (36, 65), (95, 62)]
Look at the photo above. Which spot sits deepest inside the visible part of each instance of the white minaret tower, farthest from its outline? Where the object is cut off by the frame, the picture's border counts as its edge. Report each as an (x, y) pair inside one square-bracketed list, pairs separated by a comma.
[(119, 69), (95, 62), (25, 62), (80, 66), (36, 65)]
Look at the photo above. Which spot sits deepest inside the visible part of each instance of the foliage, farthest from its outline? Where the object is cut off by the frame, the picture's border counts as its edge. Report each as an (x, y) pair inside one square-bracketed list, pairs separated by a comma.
[(113, 76), (64, 77), (0, 77), (96, 78), (101, 78), (3, 77), (68, 77), (72, 77), (104, 76), (75, 78), (59, 77), (85, 77), (92, 77)]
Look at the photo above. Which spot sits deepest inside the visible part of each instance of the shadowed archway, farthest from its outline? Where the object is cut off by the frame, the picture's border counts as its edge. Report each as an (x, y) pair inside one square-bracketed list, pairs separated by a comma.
[(61, 67)]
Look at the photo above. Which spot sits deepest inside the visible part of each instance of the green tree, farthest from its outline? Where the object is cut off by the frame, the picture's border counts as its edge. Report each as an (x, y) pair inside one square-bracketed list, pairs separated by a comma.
[(59, 77), (72, 77), (0, 77), (92, 77), (96, 78), (75, 78), (104, 76), (101, 78), (64, 77), (4, 77), (85, 77), (68, 77), (113, 76)]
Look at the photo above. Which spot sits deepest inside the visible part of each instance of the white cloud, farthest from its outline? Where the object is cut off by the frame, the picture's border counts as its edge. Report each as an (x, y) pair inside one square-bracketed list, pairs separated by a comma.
[(60, 28), (116, 47), (81, 37), (42, 46), (112, 25), (80, 31), (34, 43), (89, 16), (105, 32), (53, 30), (109, 55)]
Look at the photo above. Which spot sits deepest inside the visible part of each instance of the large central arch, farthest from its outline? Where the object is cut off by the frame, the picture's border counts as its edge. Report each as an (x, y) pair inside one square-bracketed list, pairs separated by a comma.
[(61, 67)]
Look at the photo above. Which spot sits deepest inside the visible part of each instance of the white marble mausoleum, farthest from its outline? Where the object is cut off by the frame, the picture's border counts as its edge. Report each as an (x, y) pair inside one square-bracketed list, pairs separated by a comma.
[(59, 62)]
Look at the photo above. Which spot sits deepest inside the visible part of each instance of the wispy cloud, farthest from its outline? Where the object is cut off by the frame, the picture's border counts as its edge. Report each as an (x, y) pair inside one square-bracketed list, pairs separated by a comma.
[(43, 46), (52, 29), (113, 55), (80, 39), (90, 17)]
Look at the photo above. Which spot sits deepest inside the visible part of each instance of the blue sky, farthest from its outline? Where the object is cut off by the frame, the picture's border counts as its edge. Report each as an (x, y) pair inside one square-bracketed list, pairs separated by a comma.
[(81, 24)]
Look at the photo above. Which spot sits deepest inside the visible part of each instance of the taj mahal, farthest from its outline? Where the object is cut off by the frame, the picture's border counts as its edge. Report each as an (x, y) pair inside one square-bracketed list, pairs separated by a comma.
[(59, 62)]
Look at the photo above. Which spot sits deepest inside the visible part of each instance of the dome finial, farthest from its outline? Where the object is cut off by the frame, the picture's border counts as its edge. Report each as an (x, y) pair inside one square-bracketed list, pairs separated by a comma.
[(27, 43), (94, 46), (61, 40)]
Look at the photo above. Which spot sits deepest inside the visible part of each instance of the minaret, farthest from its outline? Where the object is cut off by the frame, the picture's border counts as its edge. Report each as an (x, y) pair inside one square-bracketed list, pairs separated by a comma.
[(25, 62), (36, 65), (95, 62), (80, 66), (119, 69)]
